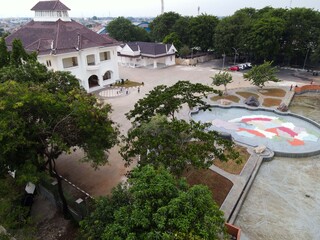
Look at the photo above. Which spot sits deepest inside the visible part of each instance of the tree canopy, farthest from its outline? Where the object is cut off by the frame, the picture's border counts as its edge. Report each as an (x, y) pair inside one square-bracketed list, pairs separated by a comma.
[(38, 126), (123, 29), (168, 101), (4, 54), (44, 114), (155, 205), (222, 78), (260, 74), (202, 30), (175, 145), (162, 25)]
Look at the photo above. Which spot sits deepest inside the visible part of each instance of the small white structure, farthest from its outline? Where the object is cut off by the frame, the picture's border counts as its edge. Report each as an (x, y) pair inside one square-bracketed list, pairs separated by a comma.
[(146, 54), (65, 45)]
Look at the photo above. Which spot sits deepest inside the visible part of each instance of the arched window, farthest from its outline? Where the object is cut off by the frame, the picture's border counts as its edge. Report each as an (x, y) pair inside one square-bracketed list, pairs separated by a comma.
[(93, 81), (107, 75)]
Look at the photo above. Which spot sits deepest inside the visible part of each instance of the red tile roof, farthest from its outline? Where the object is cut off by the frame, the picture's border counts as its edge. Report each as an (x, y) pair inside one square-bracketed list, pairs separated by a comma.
[(61, 36), (50, 6)]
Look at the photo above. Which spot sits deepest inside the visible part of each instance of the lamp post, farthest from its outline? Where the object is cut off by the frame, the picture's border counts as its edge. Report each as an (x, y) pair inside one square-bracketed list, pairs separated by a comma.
[(235, 54), (224, 58), (305, 59)]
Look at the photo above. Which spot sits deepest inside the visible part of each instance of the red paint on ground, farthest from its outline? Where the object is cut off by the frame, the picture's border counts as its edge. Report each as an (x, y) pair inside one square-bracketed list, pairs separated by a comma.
[(256, 119), (289, 131), (254, 132), (296, 142)]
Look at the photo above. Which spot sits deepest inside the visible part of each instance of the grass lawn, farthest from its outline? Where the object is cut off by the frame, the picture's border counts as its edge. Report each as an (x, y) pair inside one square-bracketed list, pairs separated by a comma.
[(127, 84), (218, 185), (271, 102), (247, 94), (272, 92), (231, 166), (231, 98)]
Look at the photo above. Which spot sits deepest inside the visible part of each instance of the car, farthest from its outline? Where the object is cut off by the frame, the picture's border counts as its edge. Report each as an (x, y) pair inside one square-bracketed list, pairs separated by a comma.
[(248, 64), (242, 66), (234, 68)]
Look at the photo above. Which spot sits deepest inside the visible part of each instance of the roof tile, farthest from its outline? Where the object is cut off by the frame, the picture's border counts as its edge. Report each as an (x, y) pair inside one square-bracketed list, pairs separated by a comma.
[(50, 6), (65, 36)]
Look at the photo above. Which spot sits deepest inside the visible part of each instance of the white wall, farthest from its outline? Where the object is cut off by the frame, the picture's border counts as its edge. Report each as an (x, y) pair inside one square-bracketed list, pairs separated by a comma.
[(83, 71)]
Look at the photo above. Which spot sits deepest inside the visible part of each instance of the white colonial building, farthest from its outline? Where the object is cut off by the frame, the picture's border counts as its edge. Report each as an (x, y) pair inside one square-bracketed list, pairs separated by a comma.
[(146, 54), (65, 45)]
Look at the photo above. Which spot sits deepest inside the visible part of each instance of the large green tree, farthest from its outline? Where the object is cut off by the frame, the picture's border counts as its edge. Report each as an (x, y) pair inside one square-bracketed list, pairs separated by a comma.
[(260, 74), (122, 29), (175, 145), (18, 54), (173, 38), (155, 205), (182, 29), (168, 100), (265, 37), (301, 34), (38, 125), (232, 32), (162, 25), (4, 54), (202, 30)]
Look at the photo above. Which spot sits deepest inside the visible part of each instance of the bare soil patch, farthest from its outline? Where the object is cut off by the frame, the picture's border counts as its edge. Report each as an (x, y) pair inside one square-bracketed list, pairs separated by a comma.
[(271, 102), (232, 98), (218, 185), (232, 166), (50, 223), (272, 92), (247, 94)]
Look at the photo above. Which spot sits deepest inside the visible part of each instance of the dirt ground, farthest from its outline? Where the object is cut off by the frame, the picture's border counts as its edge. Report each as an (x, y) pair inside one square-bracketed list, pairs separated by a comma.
[(51, 224)]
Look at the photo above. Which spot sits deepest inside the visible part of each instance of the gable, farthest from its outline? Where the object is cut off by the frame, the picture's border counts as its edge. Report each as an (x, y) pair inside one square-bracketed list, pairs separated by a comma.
[(50, 6), (60, 36)]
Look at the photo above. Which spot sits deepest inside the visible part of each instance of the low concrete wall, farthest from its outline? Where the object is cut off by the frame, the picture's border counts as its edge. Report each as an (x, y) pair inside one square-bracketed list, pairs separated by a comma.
[(233, 231), (307, 88), (194, 61)]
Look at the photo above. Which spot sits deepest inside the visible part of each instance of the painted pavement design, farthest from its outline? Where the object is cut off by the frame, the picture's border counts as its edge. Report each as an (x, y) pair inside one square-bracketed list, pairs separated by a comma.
[(274, 128)]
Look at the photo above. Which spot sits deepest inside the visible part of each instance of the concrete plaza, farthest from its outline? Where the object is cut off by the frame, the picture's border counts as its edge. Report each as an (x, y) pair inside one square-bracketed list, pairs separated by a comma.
[(101, 181)]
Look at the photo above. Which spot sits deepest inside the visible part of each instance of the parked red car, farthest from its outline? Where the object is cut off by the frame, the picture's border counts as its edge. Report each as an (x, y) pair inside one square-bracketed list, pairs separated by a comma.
[(234, 68)]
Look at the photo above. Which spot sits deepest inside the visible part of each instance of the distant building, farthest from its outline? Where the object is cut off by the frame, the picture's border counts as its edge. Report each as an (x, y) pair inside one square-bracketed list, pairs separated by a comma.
[(144, 25), (146, 54), (65, 45)]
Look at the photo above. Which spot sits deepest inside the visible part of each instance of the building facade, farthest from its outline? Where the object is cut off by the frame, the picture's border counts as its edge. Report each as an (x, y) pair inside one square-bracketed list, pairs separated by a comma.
[(62, 44), (146, 54)]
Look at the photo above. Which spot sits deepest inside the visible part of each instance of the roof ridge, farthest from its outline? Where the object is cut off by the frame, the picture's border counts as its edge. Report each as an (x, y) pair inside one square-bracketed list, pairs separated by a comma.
[(54, 7)]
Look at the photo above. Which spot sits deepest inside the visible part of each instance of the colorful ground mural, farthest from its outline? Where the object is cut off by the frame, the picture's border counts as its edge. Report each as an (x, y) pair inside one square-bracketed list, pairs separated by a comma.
[(270, 127)]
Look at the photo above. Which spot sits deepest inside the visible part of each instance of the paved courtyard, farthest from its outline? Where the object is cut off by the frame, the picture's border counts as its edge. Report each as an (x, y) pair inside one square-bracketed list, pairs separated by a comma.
[(100, 182)]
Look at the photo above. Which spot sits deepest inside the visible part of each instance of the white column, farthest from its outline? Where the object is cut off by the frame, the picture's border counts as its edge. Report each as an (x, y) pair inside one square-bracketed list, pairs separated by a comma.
[(154, 63)]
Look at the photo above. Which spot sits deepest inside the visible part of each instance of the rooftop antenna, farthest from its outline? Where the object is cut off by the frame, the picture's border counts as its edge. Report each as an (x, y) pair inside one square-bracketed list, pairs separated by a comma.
[(162, 7)]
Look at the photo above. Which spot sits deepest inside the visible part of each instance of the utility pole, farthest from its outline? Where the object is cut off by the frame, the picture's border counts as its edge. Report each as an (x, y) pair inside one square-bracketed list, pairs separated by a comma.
[(162, 6)]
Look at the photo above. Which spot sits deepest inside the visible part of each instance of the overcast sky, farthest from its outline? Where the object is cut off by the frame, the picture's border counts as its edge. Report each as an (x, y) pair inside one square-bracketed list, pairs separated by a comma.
[(151, 8)]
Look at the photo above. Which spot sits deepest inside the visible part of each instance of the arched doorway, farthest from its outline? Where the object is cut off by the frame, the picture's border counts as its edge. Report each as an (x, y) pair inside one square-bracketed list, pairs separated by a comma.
[(93, 81), (107, 75)]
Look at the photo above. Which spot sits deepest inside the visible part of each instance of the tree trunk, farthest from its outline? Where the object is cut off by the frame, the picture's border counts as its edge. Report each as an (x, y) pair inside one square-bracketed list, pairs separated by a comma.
[(53, 173)]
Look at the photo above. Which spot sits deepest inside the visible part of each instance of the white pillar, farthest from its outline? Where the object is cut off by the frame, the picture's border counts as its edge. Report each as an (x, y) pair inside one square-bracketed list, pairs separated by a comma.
[(154, 63)]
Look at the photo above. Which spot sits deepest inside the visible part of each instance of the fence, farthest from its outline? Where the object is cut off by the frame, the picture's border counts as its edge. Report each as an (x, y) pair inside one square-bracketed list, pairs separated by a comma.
[(79, 202)]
